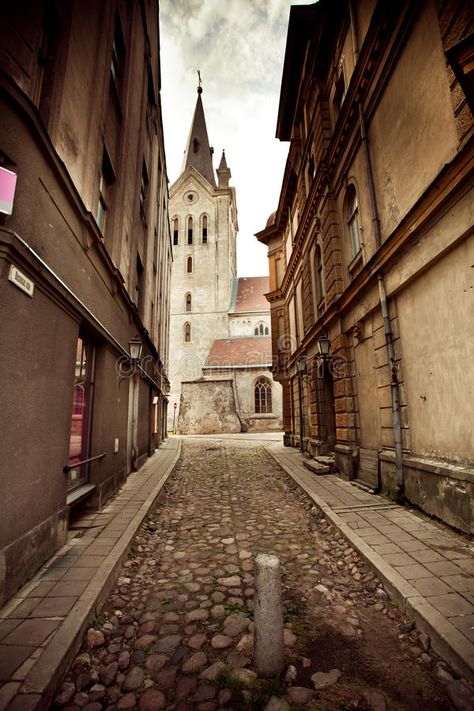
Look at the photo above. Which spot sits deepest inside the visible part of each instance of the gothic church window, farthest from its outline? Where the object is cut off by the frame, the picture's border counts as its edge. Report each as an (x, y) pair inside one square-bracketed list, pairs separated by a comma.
[(263, 397), (188, 302), (190, 230), (187, 332), (204, 229), (175, 230), (189, 265)]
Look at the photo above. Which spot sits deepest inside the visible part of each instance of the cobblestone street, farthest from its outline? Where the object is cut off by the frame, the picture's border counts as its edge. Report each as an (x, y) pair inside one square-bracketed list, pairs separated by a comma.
[(176, 632)]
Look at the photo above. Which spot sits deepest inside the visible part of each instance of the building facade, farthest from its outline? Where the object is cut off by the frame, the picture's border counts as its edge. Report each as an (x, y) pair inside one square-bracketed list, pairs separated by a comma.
[(220, 349), (85, 263), (372, 247)]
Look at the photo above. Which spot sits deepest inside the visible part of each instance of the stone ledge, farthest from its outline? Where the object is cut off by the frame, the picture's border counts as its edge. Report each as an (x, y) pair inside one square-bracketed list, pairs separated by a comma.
[(452, 471)]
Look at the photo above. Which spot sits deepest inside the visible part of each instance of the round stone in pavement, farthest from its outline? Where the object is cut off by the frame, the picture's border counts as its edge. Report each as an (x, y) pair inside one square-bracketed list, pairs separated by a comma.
[(152, 700)]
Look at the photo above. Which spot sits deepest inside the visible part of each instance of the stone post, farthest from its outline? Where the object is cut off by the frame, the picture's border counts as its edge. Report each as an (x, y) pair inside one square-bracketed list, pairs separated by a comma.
[(269, 650)]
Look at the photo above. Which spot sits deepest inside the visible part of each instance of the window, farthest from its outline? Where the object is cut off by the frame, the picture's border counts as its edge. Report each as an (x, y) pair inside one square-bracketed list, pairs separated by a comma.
[(195, 145), (189, 265), (81, 414), (263, 397), (138, 281), (188, 302), (318, 272), (117, 62), (144, 192), (175, 231), (352, 219), (266, 331), (256, 330), (204, 229), (190, 230), (187, 332), (105, 189)]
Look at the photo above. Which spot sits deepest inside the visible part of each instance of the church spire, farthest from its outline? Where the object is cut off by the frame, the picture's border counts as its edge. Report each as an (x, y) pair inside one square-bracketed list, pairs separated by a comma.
[(198, 153), (223, 172)]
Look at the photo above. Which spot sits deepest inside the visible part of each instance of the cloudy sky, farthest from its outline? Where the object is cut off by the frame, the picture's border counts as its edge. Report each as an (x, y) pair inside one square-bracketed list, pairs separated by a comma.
[(238, 45)]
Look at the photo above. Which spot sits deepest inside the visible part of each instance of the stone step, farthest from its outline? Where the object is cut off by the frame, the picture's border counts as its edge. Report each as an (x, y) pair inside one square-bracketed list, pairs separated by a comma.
[(316, 467)]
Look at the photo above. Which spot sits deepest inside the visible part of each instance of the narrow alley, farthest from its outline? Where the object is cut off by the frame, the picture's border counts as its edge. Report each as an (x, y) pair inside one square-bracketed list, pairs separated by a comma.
[(176, 632)]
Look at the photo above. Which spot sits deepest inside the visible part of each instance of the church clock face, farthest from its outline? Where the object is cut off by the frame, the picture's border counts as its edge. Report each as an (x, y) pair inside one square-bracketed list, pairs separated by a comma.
[(191, 196)]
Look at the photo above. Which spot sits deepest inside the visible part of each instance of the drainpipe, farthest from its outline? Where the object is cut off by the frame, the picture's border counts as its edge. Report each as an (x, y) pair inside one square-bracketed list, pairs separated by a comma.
[(396, 425)]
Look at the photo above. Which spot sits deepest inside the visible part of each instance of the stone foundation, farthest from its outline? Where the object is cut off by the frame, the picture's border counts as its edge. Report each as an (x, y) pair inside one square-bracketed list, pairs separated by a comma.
[(440, 489)]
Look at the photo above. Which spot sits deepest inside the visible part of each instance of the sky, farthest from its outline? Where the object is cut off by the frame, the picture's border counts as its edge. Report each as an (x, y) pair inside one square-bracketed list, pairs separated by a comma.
[(238, 46)]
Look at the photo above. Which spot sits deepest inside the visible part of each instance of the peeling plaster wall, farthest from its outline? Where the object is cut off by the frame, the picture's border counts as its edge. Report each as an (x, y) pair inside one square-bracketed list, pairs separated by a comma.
[(217, 411)]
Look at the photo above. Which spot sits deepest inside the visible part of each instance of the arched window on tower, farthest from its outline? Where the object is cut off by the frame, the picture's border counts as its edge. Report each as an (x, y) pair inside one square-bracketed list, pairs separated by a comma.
[(189, 265), (188, 302), (263, 397), (175, 230), (187, 332), (204, 229), (190, 230), (266, 331)]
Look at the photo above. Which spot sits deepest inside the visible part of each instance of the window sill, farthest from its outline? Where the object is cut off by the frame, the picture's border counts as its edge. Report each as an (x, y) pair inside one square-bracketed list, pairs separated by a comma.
[(263, 416), (77, 495), (356, 262)]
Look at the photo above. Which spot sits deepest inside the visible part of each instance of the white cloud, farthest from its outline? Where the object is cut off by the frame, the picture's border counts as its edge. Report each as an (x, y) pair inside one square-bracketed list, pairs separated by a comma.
[(238, 45)]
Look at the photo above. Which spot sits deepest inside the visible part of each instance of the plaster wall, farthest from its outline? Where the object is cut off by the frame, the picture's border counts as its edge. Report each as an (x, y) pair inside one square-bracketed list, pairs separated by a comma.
[(245, 386), (437, 355), (414, 113), (217, 408), (245, 325)]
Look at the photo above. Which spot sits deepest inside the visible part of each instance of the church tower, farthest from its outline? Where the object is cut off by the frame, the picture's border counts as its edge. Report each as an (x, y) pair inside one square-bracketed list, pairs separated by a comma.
[(203, 215)]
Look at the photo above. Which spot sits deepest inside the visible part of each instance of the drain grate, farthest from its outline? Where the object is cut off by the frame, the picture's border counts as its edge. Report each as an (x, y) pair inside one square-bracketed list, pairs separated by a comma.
[(360, 508)]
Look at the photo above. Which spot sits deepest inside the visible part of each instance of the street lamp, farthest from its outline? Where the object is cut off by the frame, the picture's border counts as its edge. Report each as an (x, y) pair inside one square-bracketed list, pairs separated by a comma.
[(324, 346), (135, 348), (301, 370)]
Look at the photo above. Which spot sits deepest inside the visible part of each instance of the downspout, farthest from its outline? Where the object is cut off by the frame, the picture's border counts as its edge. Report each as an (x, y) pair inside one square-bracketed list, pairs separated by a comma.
[(394, 385)]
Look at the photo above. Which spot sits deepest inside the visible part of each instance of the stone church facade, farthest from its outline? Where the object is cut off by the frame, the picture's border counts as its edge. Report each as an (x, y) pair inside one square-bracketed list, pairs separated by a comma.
[(220, 341)]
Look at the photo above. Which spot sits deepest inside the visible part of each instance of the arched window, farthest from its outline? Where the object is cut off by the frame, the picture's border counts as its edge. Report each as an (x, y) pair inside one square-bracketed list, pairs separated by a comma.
[(318, 274), (204, 229), (175, 230), (189, 265), (263, 397), (190, 230), (351, 210), (187, 332), (256, 330), (266, 331), (188, 302)]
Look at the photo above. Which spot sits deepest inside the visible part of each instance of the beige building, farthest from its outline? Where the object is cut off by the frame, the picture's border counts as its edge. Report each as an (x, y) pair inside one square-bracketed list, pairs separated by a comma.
[(372, 247), (220, 348)]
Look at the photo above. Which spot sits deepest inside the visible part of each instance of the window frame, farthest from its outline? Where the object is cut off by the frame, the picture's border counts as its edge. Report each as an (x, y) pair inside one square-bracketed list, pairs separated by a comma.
[(263, 400)]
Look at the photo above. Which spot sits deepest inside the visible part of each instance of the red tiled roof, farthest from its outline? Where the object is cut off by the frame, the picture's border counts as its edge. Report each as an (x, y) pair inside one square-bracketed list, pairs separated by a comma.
[(250, 294), (240, 351)]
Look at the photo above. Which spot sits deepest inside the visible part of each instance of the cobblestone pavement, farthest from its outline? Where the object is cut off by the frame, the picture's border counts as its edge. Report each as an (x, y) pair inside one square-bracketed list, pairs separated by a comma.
[(176, 633)]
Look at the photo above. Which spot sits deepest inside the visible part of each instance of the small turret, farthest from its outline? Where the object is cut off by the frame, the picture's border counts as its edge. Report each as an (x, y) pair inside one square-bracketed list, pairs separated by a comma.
[(223, 172)]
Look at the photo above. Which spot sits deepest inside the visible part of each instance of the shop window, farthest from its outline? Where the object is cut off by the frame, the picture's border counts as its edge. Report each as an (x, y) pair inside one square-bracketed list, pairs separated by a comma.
[(263, 397), (79, 439)]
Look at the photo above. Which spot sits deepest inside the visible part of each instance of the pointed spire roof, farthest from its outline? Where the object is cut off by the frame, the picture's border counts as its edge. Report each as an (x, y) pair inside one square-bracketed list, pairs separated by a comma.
[(223, 172), (198, 153)]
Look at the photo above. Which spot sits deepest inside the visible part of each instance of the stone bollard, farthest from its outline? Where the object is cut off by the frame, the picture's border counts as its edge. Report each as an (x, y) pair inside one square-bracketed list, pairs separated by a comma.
[(269, 650)]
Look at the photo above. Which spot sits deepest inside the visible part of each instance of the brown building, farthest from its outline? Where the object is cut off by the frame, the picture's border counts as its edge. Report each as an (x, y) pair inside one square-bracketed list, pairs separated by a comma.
[(372, 246), (85, 261)]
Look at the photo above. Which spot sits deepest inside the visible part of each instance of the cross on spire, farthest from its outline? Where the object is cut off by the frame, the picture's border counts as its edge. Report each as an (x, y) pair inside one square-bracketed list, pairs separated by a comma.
[(200, 82)]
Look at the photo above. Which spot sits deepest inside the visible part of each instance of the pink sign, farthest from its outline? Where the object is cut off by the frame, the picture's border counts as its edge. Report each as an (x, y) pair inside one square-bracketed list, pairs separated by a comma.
[(7, 190)]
